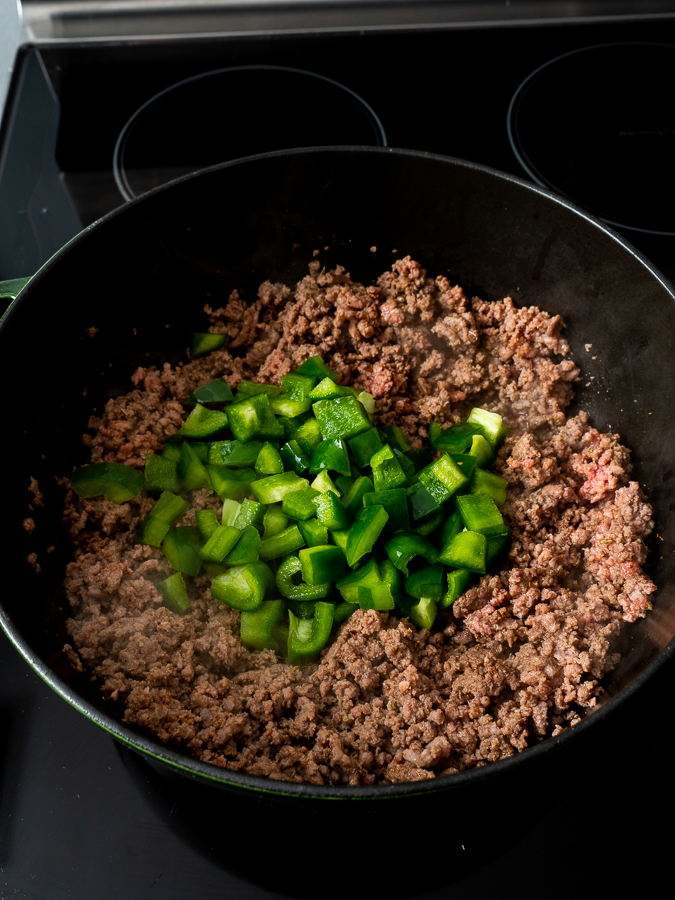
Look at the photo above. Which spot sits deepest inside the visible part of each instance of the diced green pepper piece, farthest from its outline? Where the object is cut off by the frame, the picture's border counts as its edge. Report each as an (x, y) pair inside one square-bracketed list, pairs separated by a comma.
[(326, 389), (420, 458), (230, 512), (322, 564), (293, 590), (330, 512), (442, 478), (422, 504), (161, 474), (233, 453), (181, 547), (299, 505), (217, 391), (306, 638), (353, 500), (368, 526), (249, 389), (397, 438), (393, 577), (387, 471), (426, 583), (203, 423), (365, 445), (231, 484), (465, 462), (274, 488), (488, 483), (323, 482), (115, 481), (458, 581), (191, 470), (429, 525), (154, 528), (174, 593), (285, 405), (247, 548), (404, 462), (349, 585), (243, 587), (453, 525), (219, 544), (344, 484), (294, 457), (308, 435), (297, 386), (202, 342), (405, 546), (250, 513), (466, 550), (343, 611), (367, 401), (207, 522), (376, 596), (481, 449), (491, 424), (274, 521), (315, 367), (479, 513), (172, 450), (280, 544), (330, 454), (314, 533), (257, 628), (268, 461), (455, 439), (253, 418), (343, 417), (423, 613), (396, 504)]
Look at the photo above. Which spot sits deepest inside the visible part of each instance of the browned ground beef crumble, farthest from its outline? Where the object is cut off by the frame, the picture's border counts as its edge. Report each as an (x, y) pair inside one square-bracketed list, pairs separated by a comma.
[(516, 659)]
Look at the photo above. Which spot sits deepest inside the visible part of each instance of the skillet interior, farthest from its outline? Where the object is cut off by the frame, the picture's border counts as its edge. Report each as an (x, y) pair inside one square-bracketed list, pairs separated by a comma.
[(142, 276)]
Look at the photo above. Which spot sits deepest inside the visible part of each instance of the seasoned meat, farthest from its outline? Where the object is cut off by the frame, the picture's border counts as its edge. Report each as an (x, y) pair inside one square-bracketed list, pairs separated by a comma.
[(518, 657)]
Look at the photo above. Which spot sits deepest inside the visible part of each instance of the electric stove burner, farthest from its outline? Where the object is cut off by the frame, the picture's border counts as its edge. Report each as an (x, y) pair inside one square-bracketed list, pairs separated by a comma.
[(235, 112), (597, 125)]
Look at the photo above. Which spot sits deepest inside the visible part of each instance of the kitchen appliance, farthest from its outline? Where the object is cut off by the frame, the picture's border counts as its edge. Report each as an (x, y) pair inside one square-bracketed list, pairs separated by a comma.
[(82, 816)]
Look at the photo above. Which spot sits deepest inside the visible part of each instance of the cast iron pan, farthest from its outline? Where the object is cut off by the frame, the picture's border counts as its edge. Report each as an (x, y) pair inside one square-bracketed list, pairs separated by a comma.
[(142, 275)]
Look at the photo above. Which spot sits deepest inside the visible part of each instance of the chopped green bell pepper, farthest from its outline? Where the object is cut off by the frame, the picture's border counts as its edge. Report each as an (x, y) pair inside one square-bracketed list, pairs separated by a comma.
[(306, 638), (233, 453), (466, 550), (116, 482), (207, 522), (479, 513), (155, 526), (182, 546), (243, 587), (274, 488), (330, 512), (387, 470), (368, 526), (294, 457), (315, 367), (219, 543), (191, 470), (299, 505), (161, 474), (253, 418), (405, 546), (257, 628), (442, 478), (203, 342), (330, 454), (247, 548), (293, 590), (174, 593), (217, 391), (280, 544), (491, 425), (488, 483), (343, 417), (396, 504), (203, 423), (322, 564), (458, 581)]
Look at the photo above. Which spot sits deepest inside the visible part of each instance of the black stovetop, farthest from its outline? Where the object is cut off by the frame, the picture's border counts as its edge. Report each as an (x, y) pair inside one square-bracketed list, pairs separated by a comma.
[(82, 818)]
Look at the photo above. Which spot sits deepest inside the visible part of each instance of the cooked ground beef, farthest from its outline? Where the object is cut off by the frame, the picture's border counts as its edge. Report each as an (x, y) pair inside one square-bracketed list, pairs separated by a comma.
[(516, 659)]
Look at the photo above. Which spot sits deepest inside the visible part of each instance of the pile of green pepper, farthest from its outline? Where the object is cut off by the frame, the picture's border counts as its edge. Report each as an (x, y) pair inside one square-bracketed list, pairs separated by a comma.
[(322, 511)]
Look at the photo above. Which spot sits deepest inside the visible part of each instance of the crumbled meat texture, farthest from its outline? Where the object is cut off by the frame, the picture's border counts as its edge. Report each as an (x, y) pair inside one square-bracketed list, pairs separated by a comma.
[(518, 657)]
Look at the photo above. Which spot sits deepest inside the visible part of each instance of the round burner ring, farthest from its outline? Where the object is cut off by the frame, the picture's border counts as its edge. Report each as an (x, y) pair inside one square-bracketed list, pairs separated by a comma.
[(230, 113), (597, 125)]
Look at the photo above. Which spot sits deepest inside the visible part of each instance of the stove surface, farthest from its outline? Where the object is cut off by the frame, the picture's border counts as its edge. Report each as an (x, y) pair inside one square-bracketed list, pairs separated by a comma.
[(82, 817)]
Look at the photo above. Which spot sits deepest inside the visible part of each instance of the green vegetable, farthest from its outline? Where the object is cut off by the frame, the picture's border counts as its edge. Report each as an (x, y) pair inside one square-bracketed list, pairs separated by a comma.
[(405, 546), (219, 544), (280, 544), (322, 564), (330, 454), (243, 587), (182, 546), (274, 488), (204, 423), (202, 343), (293, 590), (114, 481), (306, 638), (233, 453), (367, 527), (343, 417), (192, 472), (442, 478), (257, 628), (174, 593), (217, 391), (253, 418), (154, 528), (247, 548), (387, 470), (466, 550)]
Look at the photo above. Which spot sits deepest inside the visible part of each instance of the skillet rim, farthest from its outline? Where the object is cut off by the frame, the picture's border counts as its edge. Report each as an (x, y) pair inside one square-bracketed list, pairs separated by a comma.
[(254, 784)]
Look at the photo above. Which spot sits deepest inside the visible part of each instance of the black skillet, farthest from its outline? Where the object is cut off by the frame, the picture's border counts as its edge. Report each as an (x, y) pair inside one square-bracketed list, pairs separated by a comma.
[(142, 275)]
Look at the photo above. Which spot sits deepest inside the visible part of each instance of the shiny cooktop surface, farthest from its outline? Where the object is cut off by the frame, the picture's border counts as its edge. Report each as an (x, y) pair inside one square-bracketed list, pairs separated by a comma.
[(83, 817)]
